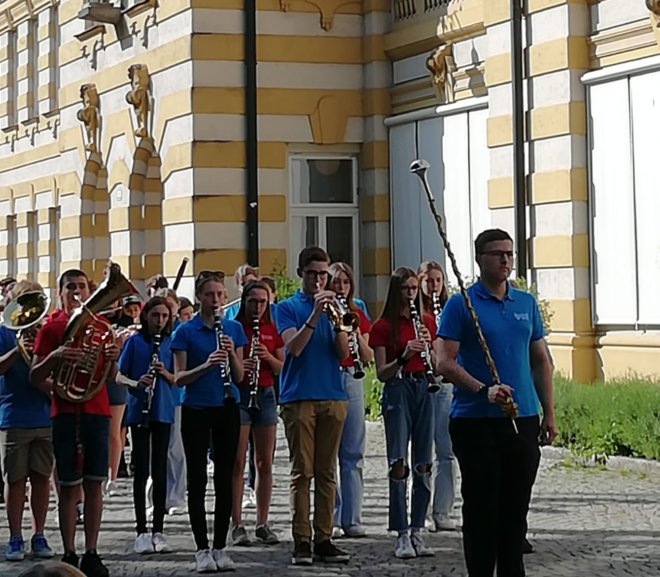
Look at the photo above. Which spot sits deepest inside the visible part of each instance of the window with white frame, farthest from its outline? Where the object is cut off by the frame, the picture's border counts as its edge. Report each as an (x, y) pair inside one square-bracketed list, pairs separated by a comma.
[(624, 200), (324, 207)]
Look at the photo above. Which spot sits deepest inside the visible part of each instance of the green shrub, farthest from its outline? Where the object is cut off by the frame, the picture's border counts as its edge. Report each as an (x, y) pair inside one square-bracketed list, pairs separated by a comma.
[(285, 286), (373, 389), (600, 420)]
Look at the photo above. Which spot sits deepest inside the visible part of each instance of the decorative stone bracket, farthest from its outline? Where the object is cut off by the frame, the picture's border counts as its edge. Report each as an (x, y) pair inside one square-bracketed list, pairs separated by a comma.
[(326, 8), (92, 41), (441, 65)]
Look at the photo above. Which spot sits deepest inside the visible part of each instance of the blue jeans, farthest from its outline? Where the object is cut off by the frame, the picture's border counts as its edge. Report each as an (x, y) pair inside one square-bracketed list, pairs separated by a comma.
[(408, 418), (445, 462), (348, 494)]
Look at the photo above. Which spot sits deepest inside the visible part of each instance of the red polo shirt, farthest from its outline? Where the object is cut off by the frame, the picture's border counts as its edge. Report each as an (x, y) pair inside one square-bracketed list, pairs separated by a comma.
[(270, 338), (48, 339), (365, 327), (380, 337)]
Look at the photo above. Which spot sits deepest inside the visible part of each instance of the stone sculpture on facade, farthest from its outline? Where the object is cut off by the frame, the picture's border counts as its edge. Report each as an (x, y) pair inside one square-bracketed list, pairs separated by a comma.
[(441, 65), (140, 97), (90, 115)]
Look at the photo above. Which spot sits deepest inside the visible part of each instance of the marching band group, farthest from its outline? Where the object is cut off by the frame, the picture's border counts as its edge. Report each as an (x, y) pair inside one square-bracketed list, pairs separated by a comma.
[(209, 381)]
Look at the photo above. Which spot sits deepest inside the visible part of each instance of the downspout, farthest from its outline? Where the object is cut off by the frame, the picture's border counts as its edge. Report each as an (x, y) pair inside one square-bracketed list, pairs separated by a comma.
[(251, 137), (519, 178)]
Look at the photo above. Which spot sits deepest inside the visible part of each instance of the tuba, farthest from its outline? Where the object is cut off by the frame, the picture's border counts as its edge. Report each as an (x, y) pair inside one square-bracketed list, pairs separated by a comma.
[(25, 315), (342, 318), (79, 381)]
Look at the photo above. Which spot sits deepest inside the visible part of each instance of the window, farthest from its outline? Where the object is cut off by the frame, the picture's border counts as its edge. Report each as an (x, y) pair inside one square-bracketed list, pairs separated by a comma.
[(455, 147), (625, 238), (324, 208)]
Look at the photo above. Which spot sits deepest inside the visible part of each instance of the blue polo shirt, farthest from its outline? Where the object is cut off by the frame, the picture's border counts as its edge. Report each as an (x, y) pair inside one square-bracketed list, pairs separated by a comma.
[(314, 374), (199, 341), (134, 363), (232, 312), (509, 325), (21, 405)]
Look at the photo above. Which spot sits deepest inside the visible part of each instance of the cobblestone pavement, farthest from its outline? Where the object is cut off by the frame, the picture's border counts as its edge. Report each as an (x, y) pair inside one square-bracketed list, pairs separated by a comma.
[(583, 523)]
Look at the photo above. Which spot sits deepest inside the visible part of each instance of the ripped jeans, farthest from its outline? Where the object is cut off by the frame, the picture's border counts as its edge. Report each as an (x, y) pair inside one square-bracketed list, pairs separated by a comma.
[(408, 418)]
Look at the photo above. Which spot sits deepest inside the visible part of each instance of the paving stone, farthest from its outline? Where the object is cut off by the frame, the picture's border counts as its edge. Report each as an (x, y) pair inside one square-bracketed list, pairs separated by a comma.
[(582, 522)]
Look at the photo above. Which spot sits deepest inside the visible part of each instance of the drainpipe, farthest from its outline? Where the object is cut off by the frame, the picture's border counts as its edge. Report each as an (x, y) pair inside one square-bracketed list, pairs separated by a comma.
[(519, 178), (251, 137)]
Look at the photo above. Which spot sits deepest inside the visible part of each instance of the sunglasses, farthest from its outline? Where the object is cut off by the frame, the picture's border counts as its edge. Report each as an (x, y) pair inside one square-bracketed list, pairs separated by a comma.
[(206, 274)]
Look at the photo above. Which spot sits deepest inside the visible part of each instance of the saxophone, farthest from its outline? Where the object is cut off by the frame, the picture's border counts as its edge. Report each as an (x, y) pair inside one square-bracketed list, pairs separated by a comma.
[(254, 375), (153, 373)]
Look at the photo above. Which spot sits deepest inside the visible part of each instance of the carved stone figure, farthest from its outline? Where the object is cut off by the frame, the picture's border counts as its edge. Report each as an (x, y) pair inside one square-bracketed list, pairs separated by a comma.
[(441, 65), (90, 115), (653, 6), (140, 97)]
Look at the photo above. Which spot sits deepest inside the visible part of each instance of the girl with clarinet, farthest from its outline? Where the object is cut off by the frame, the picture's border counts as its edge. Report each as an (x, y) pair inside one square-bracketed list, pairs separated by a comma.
[(258, 406), (401, 339), (144, 367), (208, 361)]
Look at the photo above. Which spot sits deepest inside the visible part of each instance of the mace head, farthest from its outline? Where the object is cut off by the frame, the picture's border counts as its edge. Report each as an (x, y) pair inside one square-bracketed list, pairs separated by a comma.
[(419, 166)]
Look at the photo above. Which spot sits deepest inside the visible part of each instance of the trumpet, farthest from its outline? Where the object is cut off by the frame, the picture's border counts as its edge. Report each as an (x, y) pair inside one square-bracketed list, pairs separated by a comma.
[(254, 376), (433, 387), (342, 318), (153, 373), (229, 398), (25, 315)]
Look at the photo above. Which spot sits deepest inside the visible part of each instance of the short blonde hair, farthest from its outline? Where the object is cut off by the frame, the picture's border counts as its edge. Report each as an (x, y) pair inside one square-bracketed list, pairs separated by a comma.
[(24, 286), (244, 270)]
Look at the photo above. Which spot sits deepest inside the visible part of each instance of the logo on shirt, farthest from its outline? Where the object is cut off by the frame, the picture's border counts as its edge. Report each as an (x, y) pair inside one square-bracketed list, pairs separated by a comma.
[(267, 337), (521, 316)]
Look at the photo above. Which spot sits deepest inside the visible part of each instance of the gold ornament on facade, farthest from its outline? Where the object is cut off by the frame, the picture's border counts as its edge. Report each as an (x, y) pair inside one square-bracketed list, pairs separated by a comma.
[(326, 8), (140, 97), (90, 115), (441, 65), (653, 6)]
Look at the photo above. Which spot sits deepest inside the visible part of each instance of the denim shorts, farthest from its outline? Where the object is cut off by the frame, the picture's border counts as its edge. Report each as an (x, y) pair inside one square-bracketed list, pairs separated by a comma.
[(117, 394), (266, 415), (95, 440)]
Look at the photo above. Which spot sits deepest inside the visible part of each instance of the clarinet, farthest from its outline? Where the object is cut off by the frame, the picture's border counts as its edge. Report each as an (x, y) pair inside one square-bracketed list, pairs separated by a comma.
[(254, 376), (433, 387), (229, 398), (354, 347), (149, 392)]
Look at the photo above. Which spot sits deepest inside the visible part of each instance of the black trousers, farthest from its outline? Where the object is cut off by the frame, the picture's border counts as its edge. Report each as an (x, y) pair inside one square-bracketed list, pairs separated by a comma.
[(153, 442), (498, 470), (200, 427)]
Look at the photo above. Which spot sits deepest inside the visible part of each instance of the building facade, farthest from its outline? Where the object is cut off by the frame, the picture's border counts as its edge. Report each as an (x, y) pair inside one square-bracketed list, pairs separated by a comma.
[(125, 140)]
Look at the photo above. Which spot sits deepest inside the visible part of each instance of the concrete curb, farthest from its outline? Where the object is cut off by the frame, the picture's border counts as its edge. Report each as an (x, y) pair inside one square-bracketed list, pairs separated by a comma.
[(613, 463)]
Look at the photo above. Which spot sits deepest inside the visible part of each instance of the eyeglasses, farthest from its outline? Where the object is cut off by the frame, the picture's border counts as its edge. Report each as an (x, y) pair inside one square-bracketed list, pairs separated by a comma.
[(499, 253), (316, 273)]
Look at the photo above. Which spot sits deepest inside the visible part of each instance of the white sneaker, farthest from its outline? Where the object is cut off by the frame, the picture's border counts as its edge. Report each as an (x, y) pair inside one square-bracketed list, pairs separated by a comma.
[(204, 562), (159, 543), (143, 544), (419, 546), (249, 499), (403, 548), (443, 522), (223, 560), (337, 533)]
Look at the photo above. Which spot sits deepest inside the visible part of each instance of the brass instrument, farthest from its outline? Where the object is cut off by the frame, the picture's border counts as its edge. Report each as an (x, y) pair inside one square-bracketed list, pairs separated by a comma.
[(254, 376), (420, 168), (25, 315), (153, 373), (433, 387), (342, 318), (229, 398), (78, 381)]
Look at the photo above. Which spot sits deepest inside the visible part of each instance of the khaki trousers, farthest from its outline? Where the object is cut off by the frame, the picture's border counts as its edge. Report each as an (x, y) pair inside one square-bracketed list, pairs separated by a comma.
[(313, 431)]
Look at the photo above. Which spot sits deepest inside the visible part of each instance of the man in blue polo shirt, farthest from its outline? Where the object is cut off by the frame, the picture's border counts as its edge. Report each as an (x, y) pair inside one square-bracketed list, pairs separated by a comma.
[(314, 405), (498, 466)]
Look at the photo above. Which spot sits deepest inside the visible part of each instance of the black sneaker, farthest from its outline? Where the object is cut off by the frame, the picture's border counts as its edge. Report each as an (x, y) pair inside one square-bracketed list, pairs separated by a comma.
[(302, 554), (92, 566), (328, 553), (71, 558)]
